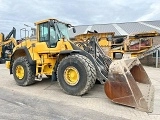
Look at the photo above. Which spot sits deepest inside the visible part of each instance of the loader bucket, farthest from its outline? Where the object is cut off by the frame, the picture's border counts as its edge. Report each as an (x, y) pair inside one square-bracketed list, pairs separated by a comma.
[(128, 84)]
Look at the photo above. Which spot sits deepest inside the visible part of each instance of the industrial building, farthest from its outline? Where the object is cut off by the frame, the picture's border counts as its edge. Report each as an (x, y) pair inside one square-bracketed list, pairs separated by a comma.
[(127, 28)]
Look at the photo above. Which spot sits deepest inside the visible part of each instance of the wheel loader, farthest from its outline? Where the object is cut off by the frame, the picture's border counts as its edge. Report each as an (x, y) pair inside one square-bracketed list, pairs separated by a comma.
[(6, 45), (76, 70)]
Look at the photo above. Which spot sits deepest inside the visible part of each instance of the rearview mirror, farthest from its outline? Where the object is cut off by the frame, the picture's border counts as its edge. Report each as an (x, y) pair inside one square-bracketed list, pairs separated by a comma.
[(51, 23), (74, 30)]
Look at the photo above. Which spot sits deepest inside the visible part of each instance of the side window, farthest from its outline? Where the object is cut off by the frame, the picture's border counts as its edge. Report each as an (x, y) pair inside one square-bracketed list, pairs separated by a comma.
[(43, 35)]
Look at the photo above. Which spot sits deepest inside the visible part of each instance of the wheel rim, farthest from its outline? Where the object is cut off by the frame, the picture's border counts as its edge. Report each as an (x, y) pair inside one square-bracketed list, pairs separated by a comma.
[(19, 72), (71, 75)]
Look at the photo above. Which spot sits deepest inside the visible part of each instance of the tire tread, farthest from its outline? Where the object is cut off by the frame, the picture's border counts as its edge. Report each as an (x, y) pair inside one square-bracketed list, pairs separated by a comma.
[(31, 75), (90, 69)]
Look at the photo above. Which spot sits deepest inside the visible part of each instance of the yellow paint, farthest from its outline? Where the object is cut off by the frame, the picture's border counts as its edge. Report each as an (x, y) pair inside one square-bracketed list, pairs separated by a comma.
[(44, 56), (71, 76), (1, 38), (7, 64), (2, 43), (20, 72)]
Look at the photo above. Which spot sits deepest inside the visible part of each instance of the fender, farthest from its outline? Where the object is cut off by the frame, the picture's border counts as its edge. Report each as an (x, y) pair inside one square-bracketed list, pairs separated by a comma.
[(65, 53), (22, 51)]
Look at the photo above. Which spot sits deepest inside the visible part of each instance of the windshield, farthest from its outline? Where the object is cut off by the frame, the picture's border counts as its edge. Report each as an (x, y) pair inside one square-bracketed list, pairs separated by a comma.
[(62, 30)]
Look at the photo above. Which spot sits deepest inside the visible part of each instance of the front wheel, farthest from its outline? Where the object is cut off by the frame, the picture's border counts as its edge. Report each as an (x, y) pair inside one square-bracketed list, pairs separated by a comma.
[(23, 72), (76, 74)]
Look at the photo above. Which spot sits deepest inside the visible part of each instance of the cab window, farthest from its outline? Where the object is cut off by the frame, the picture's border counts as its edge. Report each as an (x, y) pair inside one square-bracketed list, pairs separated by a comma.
[(43, 35)]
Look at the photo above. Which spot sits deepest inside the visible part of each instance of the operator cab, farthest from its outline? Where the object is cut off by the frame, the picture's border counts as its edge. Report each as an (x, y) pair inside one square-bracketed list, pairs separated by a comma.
[(51, 31)]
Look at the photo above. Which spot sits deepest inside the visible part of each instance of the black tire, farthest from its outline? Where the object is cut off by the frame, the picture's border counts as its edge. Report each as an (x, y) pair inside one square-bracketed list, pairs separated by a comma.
[(29, 75), (86, 70)]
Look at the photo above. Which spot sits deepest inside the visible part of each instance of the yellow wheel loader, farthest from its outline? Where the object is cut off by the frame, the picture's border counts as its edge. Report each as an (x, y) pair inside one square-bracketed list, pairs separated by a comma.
[(76, 70), (6, 45)]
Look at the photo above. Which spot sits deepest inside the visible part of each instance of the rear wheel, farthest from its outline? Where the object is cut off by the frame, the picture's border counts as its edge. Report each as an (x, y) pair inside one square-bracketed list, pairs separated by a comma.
[(76, 74), (23, 72)]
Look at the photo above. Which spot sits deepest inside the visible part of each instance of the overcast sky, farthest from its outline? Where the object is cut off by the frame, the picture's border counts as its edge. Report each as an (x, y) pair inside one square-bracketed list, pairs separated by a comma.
[(78, 12)]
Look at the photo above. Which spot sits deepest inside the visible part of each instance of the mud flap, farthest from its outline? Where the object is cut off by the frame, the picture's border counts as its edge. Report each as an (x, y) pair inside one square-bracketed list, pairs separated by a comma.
[(128, 84)]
